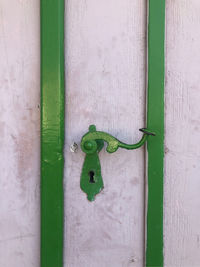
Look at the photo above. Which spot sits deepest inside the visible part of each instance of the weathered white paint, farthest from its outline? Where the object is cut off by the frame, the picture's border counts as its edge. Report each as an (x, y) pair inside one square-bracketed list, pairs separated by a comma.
[(182, 159), (105, 85), (105, 63), (19, 133)]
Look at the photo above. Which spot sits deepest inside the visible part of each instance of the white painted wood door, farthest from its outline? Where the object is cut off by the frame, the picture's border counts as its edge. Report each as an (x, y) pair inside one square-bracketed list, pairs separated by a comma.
[(19, 133), (182, 134), (105, 67)]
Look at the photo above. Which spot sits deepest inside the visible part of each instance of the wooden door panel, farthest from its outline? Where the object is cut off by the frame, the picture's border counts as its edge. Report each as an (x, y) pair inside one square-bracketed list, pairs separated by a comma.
[(182, 168), (19, 134), (105, 68), (105, 78)]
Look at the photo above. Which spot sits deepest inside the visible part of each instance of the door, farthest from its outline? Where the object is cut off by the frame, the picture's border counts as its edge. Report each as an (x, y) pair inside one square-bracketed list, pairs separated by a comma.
[(105, 85)]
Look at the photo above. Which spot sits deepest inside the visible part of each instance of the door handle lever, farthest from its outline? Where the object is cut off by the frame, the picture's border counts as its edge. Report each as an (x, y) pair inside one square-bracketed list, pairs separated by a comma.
[(91, 144)]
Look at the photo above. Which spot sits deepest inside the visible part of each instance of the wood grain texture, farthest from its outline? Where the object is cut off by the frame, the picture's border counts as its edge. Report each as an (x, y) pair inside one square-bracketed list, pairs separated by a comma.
[(182, 149), (105, 43), (19, 133), (105, 64)]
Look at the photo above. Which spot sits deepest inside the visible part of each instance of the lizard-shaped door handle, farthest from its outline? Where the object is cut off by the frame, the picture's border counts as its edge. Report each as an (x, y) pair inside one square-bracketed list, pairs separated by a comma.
[(92, 143)]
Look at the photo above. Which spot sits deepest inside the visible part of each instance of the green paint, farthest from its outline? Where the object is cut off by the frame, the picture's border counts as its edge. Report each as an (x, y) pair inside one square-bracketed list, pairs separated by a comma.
[(155, 121), (88, 144), (91, 180), (92, 143), (52, 132)]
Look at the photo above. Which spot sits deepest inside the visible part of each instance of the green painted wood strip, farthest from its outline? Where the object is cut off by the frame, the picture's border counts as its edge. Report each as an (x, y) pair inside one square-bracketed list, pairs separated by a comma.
[(155, 122), (52, 132)]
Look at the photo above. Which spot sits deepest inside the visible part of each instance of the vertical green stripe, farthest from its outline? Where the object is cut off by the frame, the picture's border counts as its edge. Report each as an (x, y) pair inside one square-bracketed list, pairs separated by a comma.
[(52, 132), (155, 122)]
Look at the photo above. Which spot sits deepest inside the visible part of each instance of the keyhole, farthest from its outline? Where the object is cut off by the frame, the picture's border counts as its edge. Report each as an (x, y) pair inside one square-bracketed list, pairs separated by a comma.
[(91, 174)]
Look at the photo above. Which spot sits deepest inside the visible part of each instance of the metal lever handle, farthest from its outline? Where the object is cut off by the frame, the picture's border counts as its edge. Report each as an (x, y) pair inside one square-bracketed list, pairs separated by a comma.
[(92, 143)]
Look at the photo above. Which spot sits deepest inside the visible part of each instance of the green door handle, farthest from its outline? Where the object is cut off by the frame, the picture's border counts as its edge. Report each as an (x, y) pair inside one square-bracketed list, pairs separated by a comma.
[(91, 144)]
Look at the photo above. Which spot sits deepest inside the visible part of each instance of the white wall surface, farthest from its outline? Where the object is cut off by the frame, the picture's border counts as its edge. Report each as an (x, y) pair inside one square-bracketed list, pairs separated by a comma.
[(104, 51)]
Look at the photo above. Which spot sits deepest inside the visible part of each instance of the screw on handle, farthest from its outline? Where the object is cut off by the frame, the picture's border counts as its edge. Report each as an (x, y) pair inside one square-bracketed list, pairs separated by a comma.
[(92, 143)]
